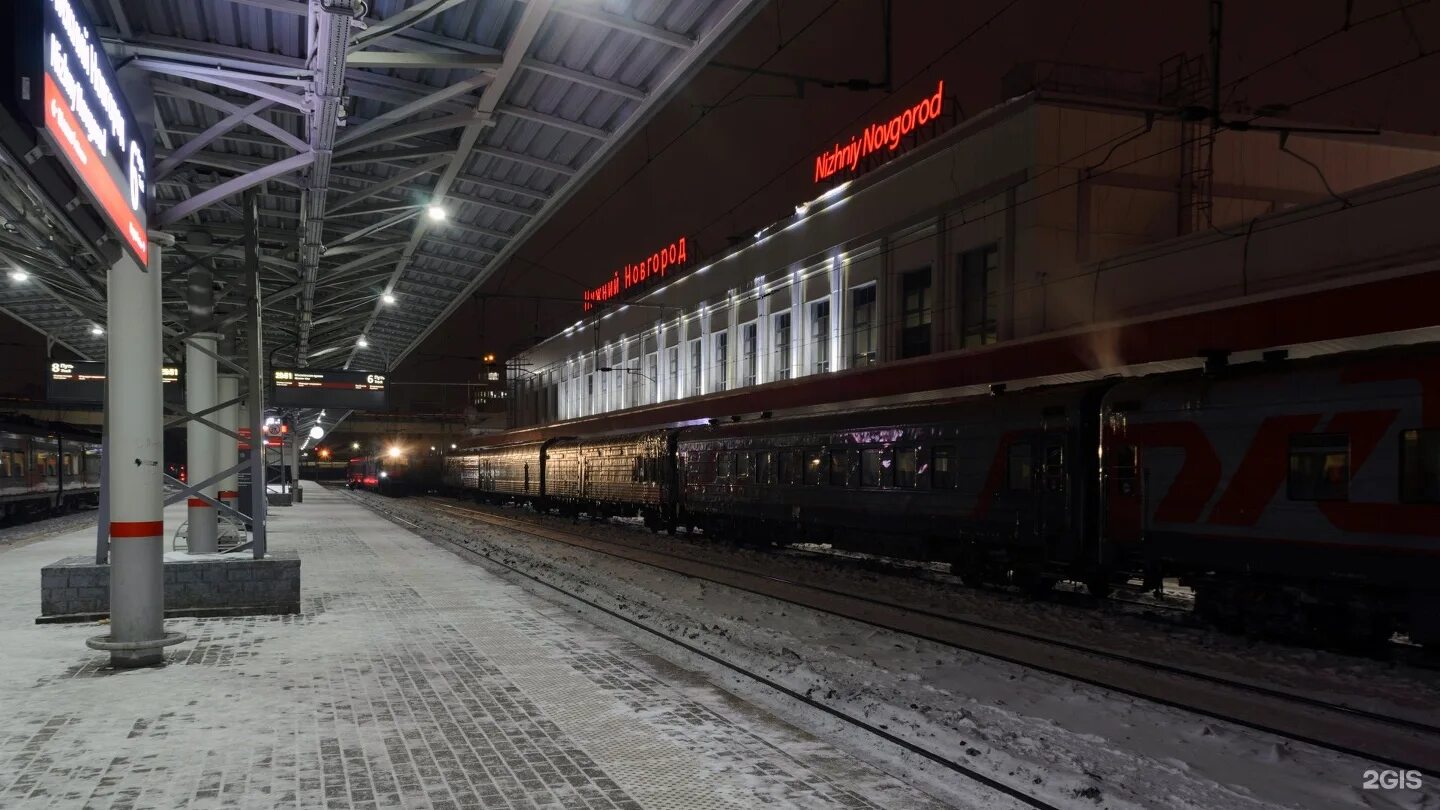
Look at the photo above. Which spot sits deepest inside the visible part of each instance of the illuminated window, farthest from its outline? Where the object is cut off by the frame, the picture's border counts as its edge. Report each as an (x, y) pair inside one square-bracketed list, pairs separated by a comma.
[(979, 296), (820, 335), (1420, 466), (492, 376), (1319, 467), (942, 468), (633, 373), (589, 404), (652, 371), (697, 359), (720, 374), (748, 358), (915, 317), (814, 467), (905, 465), (742, 466), (782, 346), (865, 329), (673, 358)]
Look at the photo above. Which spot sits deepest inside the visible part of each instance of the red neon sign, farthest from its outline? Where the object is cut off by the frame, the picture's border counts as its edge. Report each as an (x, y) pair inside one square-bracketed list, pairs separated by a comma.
[(68, 133), (847, 155), (656, 265)]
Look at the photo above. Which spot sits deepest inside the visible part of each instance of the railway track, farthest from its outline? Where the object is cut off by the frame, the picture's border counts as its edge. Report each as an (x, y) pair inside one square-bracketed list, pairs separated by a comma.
[(1019, 797), (1384, 739)]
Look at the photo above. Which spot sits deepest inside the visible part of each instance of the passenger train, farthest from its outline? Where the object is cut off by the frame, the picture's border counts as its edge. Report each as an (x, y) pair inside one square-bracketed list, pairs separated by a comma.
[(46, 467), (1297, 497)]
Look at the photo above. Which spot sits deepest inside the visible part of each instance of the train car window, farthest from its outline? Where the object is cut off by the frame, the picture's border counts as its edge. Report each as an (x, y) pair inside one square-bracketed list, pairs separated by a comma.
[(724, 467), (839, 468), (765, 467), (4, 463), (1019, 473), (742, 466), (1120, 459), (1319, 467), (788, 468), (906, 459), (814, 467), (1420, 466), (872, 468), (942, 467)]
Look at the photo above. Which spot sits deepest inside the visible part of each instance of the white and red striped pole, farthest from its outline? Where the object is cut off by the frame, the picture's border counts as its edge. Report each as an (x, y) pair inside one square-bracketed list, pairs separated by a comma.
[(136, 461), (200, 392), (228, 449)]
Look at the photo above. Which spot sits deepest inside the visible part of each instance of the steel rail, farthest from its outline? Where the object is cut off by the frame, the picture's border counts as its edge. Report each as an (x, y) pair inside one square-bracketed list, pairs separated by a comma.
[(1395, 756)]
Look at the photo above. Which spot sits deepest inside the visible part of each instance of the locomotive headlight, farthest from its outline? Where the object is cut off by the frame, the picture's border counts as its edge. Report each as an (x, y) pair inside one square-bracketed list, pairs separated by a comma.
[(384, 474), (395, 452)]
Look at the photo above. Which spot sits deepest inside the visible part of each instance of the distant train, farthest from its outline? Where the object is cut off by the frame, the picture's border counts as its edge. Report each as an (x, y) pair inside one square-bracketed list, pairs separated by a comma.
[(393, 472), (47, 467), (1298, 497)]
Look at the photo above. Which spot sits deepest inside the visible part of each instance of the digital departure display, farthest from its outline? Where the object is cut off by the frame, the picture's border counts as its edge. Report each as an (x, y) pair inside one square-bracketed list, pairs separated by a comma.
[(329, 388), (83, 382), (86, 119)]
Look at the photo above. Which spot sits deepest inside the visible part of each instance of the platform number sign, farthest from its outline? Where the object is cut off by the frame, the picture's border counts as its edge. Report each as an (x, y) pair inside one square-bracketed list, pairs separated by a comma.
[(71, 96), (329, 388)]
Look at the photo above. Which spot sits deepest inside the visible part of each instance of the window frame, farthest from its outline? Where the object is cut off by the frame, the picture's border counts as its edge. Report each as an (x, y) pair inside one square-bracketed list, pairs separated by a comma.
[(877, 453), (895, 455), (1405, 493), (844, 468), (1316, 443), (951, 458)]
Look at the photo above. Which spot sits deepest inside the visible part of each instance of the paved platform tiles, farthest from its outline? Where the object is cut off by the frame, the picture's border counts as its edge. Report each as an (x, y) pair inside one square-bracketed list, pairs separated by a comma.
[(410, 679)]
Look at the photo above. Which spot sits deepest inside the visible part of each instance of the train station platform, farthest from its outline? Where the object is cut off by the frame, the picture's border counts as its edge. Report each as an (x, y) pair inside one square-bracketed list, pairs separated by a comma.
[(411, 678)]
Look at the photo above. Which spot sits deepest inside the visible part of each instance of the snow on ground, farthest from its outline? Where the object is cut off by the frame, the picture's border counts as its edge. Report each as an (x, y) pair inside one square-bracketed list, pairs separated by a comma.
[(1386, 687), (1071, 744)]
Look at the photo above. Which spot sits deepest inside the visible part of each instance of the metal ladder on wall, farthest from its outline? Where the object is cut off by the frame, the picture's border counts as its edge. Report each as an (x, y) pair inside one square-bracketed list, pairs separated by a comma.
[(1185, 86)]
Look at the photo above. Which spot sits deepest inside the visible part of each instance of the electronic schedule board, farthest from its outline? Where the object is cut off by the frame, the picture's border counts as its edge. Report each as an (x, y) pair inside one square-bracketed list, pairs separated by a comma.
[(58, 81), (329, 388), (83, 382)]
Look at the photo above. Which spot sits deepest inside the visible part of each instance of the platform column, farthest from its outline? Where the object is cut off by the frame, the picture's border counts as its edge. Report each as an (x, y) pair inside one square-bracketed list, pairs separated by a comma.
[(135, 461), (200, 396), (227, 450)]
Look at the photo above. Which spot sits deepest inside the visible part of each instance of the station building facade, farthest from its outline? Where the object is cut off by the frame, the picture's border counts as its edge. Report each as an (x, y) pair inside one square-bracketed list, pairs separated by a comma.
[(1049, 213)]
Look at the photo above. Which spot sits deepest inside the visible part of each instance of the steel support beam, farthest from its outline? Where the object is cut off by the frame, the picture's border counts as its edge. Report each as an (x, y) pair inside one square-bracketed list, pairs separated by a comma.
[(255, 351), (421, 104), (426, 59), (233, 186)]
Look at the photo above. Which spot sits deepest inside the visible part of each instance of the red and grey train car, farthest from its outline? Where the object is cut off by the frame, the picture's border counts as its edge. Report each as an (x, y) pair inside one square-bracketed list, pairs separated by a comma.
[(47, 467), (1296, 496)]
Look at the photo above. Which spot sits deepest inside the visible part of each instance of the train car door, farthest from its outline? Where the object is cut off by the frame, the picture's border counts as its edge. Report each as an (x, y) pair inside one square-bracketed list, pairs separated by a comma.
[(1052, 498), (1124, 502)]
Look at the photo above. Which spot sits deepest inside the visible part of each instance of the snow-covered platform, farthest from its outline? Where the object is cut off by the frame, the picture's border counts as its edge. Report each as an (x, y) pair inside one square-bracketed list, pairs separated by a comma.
[(410, 678)]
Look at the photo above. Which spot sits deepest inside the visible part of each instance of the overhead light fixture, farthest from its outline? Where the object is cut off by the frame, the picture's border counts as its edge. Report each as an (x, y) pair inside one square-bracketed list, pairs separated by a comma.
[(452, 445), (388, 298), (395, 452), (436, 213), (97, 330), (362, 342), (317, 433), (354, 445), (19, 275)]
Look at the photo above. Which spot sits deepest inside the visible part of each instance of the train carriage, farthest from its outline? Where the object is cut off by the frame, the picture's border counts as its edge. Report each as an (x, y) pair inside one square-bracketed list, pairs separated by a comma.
[(997, 485), (47, 467), (626, 475), (505, 473), (1296, 496)]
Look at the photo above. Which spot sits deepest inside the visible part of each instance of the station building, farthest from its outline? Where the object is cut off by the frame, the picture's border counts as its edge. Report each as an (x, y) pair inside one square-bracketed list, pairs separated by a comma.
[(1054, 213)]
